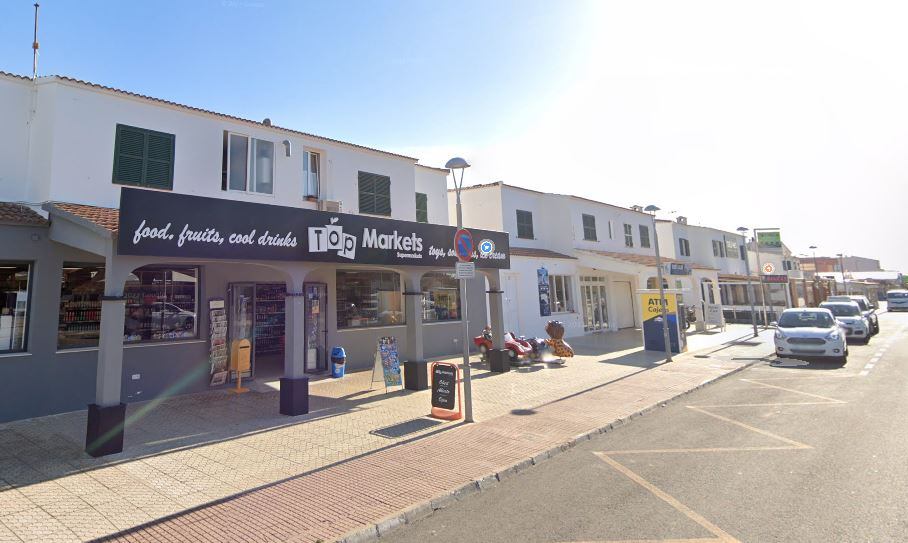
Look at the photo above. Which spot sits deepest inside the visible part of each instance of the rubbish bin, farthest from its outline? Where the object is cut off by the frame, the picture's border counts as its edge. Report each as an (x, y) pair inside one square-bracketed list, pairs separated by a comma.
[(338, 362)]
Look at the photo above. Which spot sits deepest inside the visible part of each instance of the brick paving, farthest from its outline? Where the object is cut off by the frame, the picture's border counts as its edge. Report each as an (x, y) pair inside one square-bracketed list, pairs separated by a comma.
[(319, 476)]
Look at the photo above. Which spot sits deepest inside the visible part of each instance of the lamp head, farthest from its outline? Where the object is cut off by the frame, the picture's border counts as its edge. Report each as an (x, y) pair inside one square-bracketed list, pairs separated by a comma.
[(457, 163), (742, 229), (651, 209)]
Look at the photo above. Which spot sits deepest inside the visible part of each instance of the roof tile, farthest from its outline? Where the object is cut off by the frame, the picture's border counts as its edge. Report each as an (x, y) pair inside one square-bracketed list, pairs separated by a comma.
[(11, 213), (105, 217)]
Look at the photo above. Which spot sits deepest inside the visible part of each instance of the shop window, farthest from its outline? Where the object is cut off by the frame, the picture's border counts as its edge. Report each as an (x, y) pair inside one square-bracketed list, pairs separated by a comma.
[(15, 282), (311, 174), (684, 247), (524, 224), (644, 236), (422, 207), (560, 294), (143, 158), (161, 304), (628, 235), (589, 227), (374, 194), (441, 297), (80, 305), (368, 298), (248, 164)]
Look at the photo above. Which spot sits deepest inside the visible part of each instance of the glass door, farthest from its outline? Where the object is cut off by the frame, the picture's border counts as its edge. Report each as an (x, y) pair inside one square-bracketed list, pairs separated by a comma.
[(241, 319), (595, 311), (316, 326)]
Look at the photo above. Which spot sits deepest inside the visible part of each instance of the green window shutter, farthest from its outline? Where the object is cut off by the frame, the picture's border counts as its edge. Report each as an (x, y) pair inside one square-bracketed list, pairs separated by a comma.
[(143, 158), (524, 224), (374, 194), (422, 207)]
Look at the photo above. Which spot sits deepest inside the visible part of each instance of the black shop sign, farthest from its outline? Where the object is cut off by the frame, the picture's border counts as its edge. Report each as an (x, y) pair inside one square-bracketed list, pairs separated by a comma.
[(177, 225), (444, 385)]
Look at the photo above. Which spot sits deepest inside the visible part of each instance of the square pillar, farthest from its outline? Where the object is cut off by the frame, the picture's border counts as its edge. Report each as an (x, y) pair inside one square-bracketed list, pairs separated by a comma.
[(294, 385), (416, 372), (107, 416), (499, 361)]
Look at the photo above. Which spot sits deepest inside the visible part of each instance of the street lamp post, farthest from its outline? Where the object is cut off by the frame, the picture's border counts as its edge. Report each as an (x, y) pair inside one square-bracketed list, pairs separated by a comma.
[(816, 275), (842, 268), (750, 287), (453, 165), (666, 336)]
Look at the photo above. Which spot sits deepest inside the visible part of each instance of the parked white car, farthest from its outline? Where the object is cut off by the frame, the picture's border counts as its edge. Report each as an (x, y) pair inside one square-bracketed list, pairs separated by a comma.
[(813, 332), (851, 317), (867, 308), (897, 300)]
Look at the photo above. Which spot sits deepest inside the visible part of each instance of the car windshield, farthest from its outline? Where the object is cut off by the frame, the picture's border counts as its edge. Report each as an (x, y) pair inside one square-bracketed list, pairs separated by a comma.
[(843, 310), (892, 295), (805, 319)]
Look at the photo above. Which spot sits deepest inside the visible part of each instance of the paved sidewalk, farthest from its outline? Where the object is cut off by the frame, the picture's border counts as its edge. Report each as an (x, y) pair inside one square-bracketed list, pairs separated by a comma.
[(358, 457)]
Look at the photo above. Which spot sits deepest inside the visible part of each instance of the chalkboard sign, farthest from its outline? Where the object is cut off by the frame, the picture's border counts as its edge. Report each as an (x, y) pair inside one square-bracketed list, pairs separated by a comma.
[(444, 384)]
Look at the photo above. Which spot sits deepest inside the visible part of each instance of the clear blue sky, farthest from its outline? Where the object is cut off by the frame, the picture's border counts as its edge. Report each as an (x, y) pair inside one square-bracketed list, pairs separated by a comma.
[(730, 113), (389, 74)]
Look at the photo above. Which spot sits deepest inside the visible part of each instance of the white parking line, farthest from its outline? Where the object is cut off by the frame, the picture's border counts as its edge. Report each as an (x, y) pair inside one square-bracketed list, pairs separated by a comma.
[(864, 373), (868, 367)]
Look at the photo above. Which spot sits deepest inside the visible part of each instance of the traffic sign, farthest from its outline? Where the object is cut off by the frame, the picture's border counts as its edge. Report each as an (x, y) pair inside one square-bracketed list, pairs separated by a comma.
[(465, 270), (463, 245)]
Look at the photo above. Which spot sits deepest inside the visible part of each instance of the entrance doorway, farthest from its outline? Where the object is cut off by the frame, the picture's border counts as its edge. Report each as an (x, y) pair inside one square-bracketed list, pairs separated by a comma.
[(256, 313), (624, 304), (595, 306), (316, 326)]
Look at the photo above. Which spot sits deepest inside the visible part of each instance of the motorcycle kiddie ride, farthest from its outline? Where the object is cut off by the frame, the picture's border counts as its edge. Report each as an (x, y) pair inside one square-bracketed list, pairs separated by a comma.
[(528, 350)]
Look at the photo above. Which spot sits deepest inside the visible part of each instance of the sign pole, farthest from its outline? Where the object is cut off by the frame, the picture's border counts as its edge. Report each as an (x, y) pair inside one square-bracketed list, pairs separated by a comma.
[(467, 381)]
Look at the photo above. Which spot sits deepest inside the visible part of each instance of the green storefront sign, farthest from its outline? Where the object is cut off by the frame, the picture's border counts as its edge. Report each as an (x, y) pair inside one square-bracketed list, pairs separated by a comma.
[(770, 239)]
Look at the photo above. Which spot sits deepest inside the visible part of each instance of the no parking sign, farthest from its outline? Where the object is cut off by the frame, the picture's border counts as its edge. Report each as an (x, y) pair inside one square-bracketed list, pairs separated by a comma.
[(463, 245)]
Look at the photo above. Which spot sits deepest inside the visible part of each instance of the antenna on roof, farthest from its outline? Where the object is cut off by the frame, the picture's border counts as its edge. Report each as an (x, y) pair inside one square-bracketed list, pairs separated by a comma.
[(35, 46)]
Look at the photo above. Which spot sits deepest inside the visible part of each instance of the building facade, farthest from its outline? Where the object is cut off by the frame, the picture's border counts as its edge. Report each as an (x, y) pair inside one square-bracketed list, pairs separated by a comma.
[(577, 260), (143, 241)]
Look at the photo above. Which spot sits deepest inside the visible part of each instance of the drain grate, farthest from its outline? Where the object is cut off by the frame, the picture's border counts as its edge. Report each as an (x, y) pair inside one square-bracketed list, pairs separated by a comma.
[(404, 428)]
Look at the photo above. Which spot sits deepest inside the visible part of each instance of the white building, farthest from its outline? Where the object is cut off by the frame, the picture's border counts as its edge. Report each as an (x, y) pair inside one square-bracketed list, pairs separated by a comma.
[(142, 241), (596, 256)]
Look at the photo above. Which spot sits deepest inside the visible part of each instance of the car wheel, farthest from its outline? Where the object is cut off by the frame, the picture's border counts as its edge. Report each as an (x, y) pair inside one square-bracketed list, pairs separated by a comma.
[(512, 355)]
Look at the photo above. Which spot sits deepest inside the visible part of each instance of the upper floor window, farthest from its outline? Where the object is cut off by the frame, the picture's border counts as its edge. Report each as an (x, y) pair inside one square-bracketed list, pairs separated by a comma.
[(374, 194), (524, 224), (786, 265), (589, 227), (248, 164), (628, 235), (684, 247), (143, 158), (312, 170), (422, 207), (644, 236), (718, 248), (611, 227)]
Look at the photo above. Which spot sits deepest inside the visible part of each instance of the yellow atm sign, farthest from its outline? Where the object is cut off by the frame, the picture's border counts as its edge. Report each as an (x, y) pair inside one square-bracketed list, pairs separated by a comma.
[(652, 304)]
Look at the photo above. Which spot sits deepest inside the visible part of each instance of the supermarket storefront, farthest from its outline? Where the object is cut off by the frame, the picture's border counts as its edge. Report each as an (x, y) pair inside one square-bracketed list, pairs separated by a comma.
[(152, 293)]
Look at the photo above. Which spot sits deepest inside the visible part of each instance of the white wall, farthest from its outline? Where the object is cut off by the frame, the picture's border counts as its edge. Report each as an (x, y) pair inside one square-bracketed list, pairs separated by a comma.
[(482, 208), (700, 239), (15, 103), (619, 217), (73, 146), (531, 323)]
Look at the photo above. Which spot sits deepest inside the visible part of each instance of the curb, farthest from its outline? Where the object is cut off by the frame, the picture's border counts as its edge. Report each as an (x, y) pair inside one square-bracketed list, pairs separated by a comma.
[(372, 532)]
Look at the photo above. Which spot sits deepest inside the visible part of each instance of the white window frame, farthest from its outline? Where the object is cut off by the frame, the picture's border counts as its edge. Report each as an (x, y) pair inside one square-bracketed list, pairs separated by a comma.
[(684, 246), (628, 235), (250, 164), (644, 228), (611, 227), (307, 174)]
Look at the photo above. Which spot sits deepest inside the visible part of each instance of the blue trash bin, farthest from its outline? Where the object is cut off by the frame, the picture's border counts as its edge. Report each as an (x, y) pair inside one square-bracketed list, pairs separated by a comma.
[(338, 362)]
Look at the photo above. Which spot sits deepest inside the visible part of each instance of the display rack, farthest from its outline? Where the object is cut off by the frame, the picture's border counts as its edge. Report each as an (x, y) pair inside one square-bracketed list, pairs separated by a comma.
[(217, 344), (269, 318)]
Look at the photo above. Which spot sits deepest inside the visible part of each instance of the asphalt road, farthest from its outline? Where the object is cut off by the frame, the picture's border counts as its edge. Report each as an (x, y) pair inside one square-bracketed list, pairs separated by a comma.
[(794, 453)]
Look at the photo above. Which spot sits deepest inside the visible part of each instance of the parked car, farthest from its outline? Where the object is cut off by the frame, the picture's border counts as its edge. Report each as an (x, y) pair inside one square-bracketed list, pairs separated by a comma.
[(814, 332), (897, 300), (853, 321), (867, 308)]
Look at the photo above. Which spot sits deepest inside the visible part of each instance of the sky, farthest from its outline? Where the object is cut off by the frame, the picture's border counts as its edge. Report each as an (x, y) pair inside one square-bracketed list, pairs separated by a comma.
[(789, 114)]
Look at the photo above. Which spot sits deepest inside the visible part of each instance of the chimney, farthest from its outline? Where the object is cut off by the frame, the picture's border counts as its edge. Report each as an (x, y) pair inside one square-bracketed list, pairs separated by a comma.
[(682, 220), (637, 208)]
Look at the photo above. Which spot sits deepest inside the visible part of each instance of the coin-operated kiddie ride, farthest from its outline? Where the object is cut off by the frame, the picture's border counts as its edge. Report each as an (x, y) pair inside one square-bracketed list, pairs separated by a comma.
[(560, 347), (524, 350)]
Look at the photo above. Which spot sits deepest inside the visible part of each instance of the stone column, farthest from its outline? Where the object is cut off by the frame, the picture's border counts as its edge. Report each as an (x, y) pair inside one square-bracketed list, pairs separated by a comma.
[(416, 375), (499, 361), (294, 384), (107, 416)]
